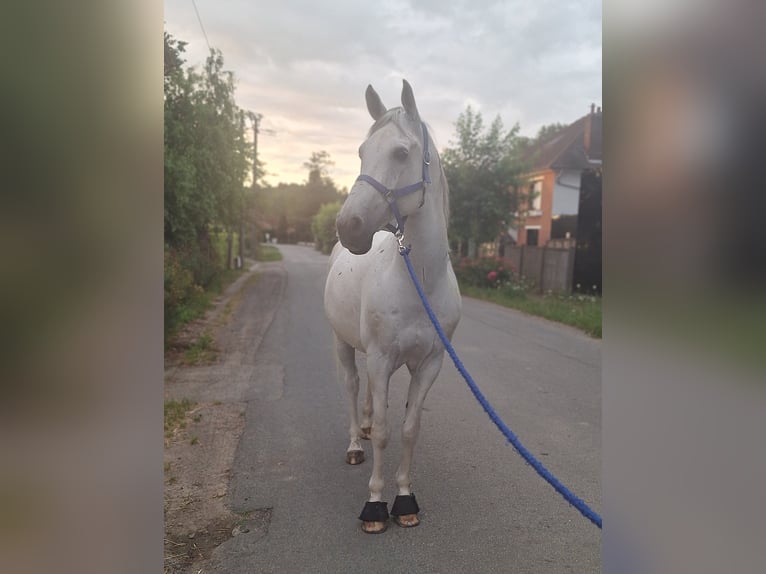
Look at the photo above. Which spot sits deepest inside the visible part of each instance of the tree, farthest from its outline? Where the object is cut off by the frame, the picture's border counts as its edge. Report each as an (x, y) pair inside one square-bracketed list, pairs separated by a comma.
[(207, 157), (483, 168), (287, 209), (224, 150), (548, 130), (298, 203), (317, 166), (186, 211)]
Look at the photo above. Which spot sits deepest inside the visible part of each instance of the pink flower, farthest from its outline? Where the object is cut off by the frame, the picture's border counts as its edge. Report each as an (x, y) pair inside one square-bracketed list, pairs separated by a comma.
[(492, 275)]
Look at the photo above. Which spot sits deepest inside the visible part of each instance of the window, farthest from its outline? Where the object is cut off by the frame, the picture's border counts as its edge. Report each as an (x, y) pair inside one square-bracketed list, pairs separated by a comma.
[(532, 236), (536, 197)]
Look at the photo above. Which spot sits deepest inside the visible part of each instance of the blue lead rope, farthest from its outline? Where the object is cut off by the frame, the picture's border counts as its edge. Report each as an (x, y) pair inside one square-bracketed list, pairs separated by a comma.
[(568, 495)]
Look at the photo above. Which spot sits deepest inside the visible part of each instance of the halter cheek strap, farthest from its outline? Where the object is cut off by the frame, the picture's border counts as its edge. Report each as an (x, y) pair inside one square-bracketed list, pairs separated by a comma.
[(391, 195)]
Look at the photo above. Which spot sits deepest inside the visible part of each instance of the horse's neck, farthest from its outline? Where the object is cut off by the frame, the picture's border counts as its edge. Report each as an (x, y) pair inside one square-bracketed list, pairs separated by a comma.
[(426, 232)]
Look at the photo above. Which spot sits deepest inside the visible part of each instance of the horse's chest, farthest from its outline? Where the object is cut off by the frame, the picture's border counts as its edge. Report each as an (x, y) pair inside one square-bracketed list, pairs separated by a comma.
[(402, 326)]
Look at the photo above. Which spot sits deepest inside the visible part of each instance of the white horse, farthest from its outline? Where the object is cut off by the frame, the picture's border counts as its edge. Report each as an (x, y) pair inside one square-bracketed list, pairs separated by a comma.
[(370, 299)]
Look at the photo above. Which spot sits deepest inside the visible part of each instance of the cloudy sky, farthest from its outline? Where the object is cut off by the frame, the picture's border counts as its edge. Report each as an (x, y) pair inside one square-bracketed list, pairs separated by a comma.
[(305, 65)]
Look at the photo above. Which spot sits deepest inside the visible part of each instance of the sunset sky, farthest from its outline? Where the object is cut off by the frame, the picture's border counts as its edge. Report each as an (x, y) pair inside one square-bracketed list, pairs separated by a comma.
[(305, 65)]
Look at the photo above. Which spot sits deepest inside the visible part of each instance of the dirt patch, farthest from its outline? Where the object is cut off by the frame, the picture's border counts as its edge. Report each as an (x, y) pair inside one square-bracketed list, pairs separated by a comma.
[(200, 448), (198, 462), (181, 552), (188, 553)]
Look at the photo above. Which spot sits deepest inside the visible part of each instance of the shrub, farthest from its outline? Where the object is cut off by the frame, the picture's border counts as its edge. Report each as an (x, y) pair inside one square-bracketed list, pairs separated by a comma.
[(179, 282), (204, 262), (490, 272), (323, 227), (179, 286)]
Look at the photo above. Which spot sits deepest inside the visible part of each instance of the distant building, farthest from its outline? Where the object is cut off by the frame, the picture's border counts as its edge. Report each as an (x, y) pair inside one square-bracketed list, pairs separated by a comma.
[(558, 163)]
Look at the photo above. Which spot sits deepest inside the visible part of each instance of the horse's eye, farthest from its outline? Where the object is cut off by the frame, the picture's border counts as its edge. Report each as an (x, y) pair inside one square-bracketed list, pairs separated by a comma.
[(401, 152)]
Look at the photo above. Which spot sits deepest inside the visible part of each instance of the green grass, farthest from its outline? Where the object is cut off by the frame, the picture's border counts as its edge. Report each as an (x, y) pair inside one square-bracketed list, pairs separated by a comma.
[(223, 279), (268, 253), (580, 311), (201, 351), (192, 309), (200, 302), (175, 415), (720, 325)]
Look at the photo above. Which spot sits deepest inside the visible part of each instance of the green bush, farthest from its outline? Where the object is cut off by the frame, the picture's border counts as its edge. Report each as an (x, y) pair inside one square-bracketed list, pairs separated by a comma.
[(488, 272), (179, 287), (204, 264), (193, 276), (491, 273), (323, 226)]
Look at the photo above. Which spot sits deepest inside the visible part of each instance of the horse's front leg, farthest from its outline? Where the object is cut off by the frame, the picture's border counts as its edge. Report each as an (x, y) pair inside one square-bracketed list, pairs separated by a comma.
[(348, 372), (405, 509), (366, 424), (374, 516)]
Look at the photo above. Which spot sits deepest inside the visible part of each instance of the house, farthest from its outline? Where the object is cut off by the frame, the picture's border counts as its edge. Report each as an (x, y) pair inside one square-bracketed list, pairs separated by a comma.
[(554, 180)]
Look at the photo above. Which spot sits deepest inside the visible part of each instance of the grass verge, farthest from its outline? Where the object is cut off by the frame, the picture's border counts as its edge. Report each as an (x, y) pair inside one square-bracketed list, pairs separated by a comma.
[(199, 302), (580, 311), (235, 300), (223, 279), (201, 351), (268, 253)]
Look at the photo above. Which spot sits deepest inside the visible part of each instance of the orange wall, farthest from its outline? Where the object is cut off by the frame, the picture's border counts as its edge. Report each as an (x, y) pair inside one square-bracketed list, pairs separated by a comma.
[(546, 206)]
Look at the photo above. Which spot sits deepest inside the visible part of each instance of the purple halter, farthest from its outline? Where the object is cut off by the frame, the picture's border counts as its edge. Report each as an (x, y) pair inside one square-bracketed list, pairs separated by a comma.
[(391, 195)]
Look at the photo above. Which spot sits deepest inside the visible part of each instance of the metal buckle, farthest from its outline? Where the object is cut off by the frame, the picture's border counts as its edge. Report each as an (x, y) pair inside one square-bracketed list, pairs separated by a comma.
[(400, 240)]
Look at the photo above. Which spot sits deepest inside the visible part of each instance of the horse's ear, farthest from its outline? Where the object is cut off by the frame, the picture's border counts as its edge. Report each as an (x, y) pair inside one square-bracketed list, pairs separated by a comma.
[(374, 105), (408, 101)]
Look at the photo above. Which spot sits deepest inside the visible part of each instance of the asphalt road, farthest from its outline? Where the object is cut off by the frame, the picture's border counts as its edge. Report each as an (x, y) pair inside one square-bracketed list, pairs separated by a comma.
[(482, 508)]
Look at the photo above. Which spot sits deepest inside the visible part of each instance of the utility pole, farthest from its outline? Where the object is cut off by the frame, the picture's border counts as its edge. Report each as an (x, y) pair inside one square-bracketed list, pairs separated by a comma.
[(255, 118)]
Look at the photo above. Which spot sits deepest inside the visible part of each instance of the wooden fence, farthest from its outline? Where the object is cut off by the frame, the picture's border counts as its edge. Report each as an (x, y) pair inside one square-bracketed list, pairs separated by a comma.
[(549, 268)]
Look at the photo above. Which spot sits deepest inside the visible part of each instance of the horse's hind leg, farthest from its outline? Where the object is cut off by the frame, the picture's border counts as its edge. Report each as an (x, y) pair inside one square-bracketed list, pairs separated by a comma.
[(405, 509), (350, 377)]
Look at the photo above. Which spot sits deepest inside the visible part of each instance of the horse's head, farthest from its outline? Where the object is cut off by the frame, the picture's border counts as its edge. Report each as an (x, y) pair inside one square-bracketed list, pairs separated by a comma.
[(394, 164)]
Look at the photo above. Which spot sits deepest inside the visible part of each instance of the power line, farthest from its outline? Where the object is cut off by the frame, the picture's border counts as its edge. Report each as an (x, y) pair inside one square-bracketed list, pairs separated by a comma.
[(201, 26)]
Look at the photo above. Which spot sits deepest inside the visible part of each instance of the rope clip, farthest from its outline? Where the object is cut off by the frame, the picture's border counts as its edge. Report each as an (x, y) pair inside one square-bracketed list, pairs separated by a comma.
[(403, 250)]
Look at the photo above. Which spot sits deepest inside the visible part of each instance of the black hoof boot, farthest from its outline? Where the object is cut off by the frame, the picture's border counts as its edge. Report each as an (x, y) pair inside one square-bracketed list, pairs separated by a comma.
[(405, 511), (374, 517)]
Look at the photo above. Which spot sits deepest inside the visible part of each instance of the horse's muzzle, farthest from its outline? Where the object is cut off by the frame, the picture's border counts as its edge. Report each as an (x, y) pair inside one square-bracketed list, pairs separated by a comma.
[(353, 233)]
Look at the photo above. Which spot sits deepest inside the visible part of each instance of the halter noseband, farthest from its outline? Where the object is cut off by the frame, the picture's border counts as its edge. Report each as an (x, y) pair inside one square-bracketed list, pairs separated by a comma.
[(391, 195)]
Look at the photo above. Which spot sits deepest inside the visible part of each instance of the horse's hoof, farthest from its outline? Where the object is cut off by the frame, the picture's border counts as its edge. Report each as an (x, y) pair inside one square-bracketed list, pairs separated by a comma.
[(374, 527), (405, 510), (374, 517), (407, 520), (355, 457), (366, 433)]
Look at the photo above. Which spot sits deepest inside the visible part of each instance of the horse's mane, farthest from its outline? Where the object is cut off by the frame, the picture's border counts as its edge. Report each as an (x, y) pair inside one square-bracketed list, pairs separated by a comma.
[(399, 117)]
